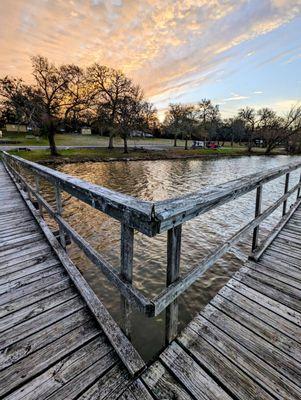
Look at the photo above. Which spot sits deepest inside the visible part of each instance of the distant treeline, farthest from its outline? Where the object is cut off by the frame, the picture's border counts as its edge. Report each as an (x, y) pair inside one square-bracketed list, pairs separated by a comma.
[(263, 127), (69, 97)]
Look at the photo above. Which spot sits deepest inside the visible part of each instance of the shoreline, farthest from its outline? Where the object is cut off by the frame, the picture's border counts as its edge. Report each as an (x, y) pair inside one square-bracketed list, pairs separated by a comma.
[(148, 156)]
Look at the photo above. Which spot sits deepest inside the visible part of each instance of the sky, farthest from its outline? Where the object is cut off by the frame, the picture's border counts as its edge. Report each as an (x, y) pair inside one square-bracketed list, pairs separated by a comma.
[(236, 53)]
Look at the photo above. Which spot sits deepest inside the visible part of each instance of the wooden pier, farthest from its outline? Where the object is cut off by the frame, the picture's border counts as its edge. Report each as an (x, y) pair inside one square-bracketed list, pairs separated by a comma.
[(57, 340)]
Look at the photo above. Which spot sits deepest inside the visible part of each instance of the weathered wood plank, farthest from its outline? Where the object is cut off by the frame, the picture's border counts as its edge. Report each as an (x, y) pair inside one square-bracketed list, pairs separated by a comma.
[(237, 382), (275, 292), (24, 296), (137, 391), (110, 386), (25, 323), (174, 236), (274, 281), (25, 261), (287, 366), (27, 275), (265, 301), (281, 267), (72, 374), (44, 358), (23, 251), (256, 308), (126, 272), (273, 272), (42, 338), (260, 371), (191, 375), (162, 384), (259, 327)]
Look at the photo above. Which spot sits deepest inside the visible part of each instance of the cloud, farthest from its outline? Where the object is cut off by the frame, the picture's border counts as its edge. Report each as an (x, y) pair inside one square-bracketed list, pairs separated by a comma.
[(257, 92), (234, 97), (170, 47)]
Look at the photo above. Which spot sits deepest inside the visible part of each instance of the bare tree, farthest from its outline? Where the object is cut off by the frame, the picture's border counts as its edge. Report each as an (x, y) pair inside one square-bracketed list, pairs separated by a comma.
[(111, 88), (176, 120), (78, 99), (237, 130), (53, 85), (248, 116), (20, 102), (134, 114), (208, 115)]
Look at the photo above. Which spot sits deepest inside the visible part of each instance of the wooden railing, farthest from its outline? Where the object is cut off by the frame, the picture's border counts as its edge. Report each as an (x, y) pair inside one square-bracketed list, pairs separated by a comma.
[(152, 218)]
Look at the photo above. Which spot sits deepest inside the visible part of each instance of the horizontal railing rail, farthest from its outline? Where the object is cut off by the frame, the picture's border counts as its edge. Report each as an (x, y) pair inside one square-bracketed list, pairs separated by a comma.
[(151, 218)]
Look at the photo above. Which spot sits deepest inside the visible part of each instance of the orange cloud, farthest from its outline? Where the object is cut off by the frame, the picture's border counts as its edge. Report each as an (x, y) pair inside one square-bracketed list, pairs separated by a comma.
[(167, 46)]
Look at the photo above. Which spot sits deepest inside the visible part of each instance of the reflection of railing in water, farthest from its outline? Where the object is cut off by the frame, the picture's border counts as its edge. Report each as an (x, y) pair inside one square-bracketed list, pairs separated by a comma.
[(151, 218)]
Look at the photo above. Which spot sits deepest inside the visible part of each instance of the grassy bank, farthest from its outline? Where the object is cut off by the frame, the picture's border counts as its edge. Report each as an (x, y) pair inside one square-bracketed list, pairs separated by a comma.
[(103, 154), (20, 139)]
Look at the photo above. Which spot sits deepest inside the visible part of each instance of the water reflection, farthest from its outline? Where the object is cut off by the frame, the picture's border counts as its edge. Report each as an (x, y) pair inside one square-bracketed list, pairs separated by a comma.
[(158, 180)]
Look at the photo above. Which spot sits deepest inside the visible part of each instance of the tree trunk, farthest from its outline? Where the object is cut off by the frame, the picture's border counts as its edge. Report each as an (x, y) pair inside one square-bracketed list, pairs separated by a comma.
[(175, 142), (250, 144), (186, 144), (51, 132), (125, 145), (232, 141), (111, 145), (53, 150), (269, 148)]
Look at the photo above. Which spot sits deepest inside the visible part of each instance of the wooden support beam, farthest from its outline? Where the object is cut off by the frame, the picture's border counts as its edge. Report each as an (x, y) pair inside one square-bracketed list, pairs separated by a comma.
[(257, 212), (37, 183), (59, 210), (126, 272), (172, 274), (298, 192), (287, 179)]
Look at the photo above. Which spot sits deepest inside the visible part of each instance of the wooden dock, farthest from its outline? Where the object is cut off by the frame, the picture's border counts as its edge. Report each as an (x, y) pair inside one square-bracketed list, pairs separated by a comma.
[(245, 344)]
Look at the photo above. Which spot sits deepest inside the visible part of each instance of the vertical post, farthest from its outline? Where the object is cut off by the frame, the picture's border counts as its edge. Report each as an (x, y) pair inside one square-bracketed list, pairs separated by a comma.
[(59, 210), (257, 212), (173, 271), (126, 270), (37, 182), (287, 179), (298, 192)]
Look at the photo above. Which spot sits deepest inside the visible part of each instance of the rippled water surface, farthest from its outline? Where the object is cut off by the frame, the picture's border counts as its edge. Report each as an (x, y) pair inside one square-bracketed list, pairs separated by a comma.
[(157, 180)]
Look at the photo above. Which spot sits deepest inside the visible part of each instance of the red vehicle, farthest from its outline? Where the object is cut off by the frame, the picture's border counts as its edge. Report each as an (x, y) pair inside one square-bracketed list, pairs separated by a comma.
[(212, 145)]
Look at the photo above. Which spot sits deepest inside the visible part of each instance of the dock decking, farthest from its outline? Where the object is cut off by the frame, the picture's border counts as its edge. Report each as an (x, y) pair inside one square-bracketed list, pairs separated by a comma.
[(246, 344), (50, 344)]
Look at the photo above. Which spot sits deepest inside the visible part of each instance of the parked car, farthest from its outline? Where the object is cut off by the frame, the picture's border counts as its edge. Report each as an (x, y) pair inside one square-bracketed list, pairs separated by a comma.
[(198, 144)]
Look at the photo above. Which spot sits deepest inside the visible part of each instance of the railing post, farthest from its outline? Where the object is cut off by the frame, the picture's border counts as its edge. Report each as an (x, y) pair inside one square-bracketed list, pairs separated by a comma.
[(173, 271), (287, 179), (126, 270), (257, 212), (298, 192), (59, 210), (37, 182)]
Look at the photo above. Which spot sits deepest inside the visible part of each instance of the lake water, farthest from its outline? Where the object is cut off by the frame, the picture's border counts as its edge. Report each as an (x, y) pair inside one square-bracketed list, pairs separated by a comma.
[(158, 180)]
